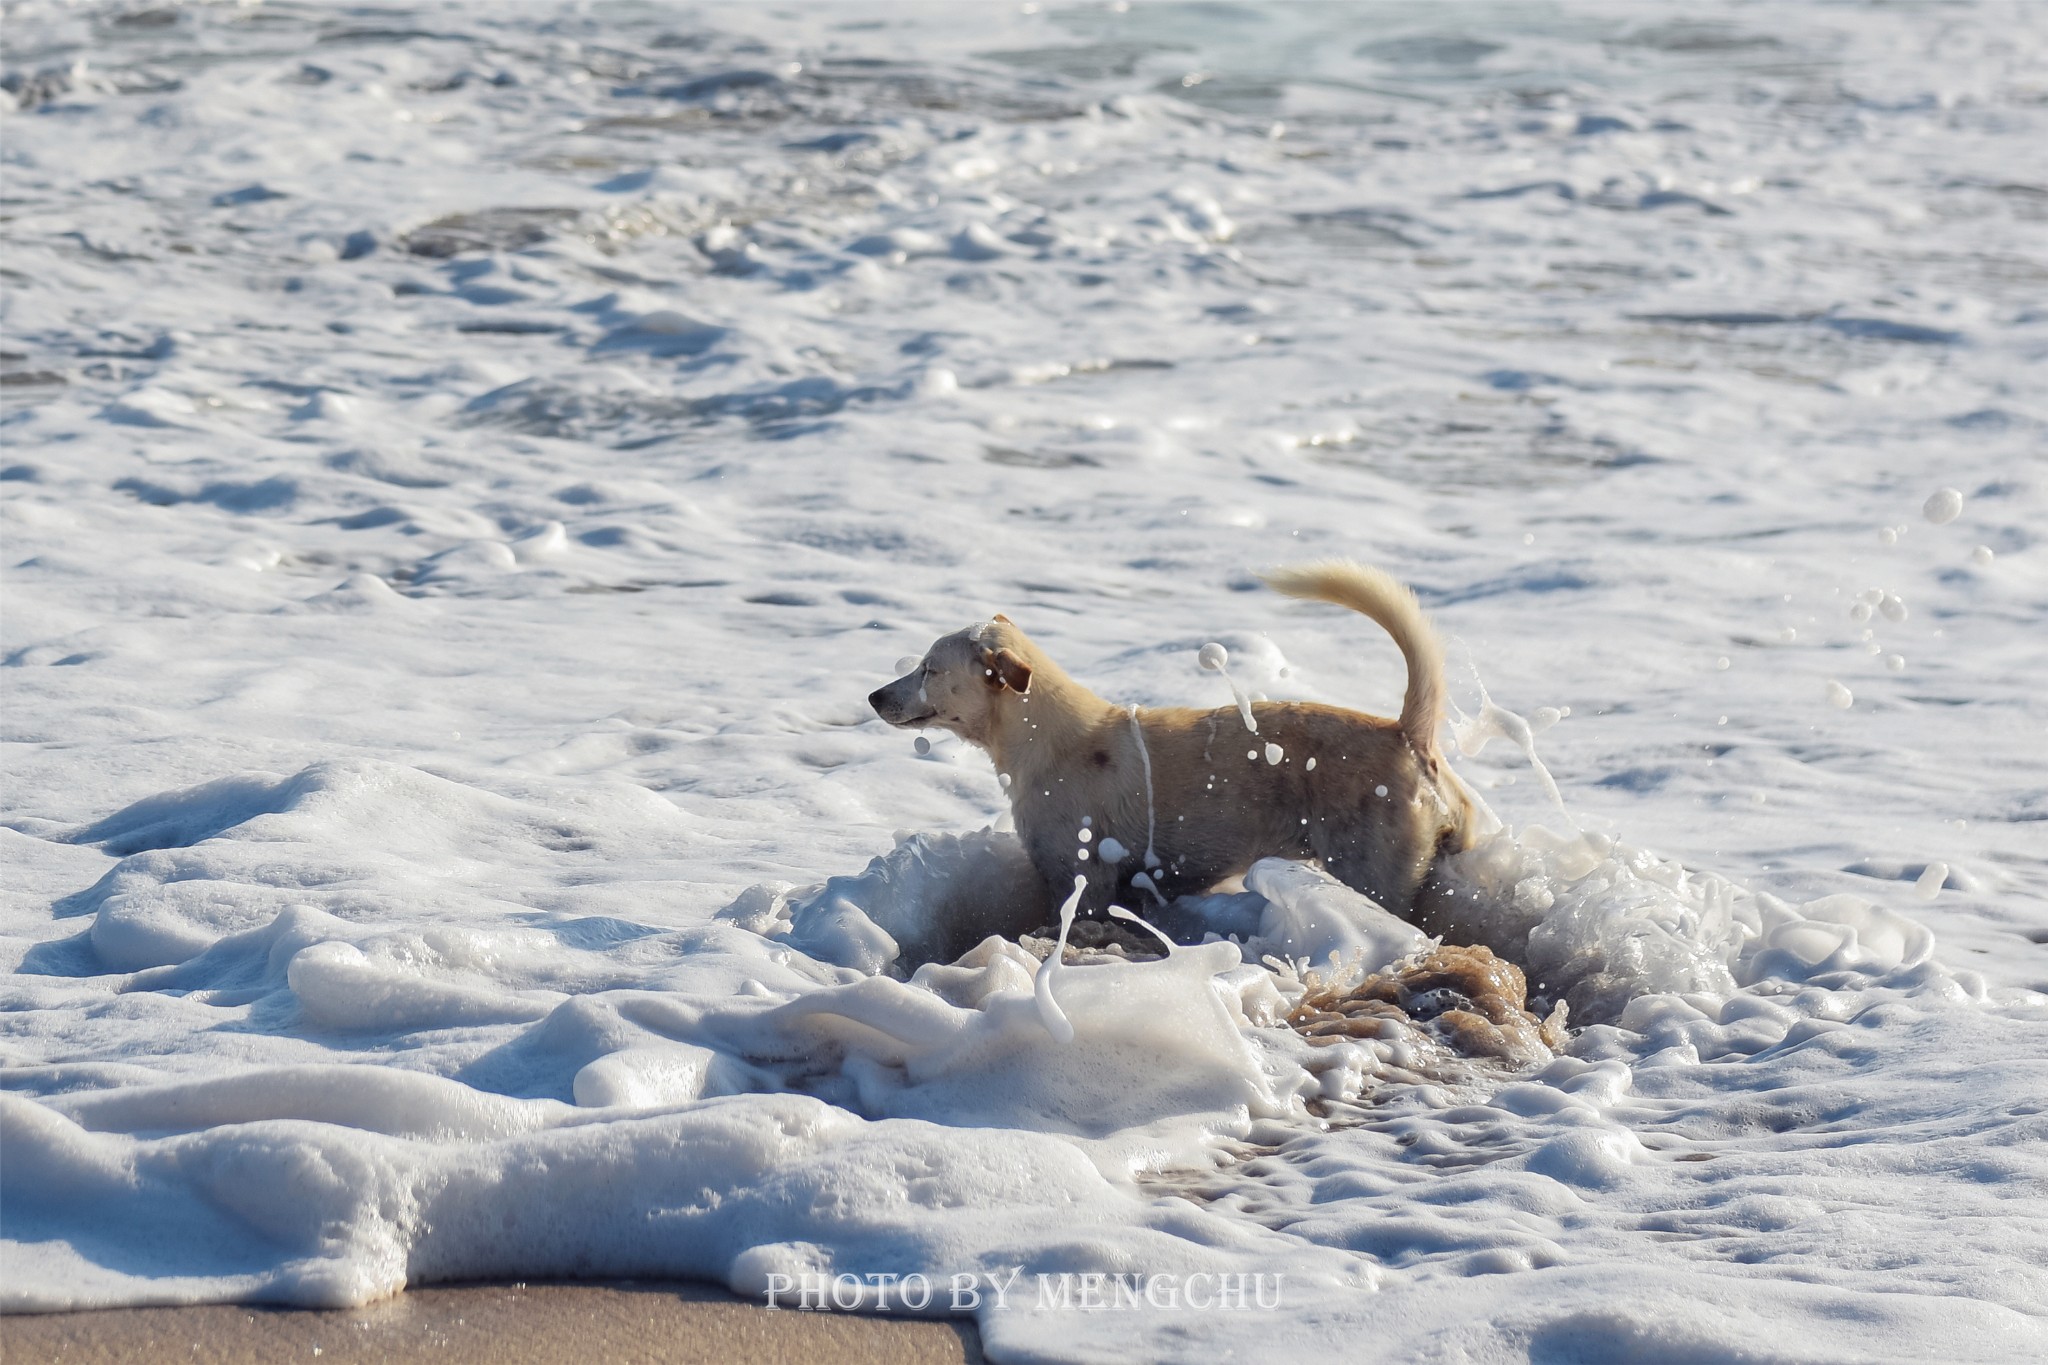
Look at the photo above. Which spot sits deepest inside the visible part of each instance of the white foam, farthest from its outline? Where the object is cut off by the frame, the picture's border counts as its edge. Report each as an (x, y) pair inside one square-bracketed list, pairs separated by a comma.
[(1315, 919), (447, 553)]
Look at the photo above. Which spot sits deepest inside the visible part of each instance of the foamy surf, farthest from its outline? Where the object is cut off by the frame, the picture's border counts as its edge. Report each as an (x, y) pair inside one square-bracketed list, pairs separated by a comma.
[(463, 471)]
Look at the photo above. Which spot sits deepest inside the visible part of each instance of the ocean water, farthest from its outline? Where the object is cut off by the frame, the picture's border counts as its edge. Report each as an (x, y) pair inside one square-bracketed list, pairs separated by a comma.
[(465, 466)]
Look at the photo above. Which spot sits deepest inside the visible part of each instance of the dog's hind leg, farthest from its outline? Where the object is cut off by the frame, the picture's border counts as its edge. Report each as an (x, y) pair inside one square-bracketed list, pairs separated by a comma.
[(1371, 862)]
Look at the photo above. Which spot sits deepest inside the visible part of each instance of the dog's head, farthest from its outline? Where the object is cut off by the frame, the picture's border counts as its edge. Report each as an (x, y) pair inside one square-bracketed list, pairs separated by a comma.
[(961, 682)]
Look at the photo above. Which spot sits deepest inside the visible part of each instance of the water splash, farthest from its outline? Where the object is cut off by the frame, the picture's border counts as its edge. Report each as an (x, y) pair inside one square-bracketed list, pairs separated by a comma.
[(1151, 811), (1118, 912), (1494, 721), (1049, 1012), (1216, 658)]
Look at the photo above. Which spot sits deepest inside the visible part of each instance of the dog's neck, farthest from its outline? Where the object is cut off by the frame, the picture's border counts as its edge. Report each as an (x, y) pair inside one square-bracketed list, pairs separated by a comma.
[(1028, 733)]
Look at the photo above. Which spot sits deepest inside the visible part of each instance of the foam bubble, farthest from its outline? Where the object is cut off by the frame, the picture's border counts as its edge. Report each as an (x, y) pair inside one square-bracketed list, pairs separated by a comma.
[(1839, 696), (1215, 657), (1943, 506)]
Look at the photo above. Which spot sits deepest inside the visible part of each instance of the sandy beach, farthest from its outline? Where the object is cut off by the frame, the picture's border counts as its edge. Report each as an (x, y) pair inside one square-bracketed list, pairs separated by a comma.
[(518, 1324)]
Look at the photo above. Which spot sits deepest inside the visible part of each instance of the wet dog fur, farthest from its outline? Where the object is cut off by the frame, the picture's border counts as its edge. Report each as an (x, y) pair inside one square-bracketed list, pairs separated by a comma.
[(1369, 798)]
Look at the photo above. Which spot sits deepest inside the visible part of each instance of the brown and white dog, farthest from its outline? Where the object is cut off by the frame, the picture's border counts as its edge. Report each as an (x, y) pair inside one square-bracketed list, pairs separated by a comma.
[(1175, 800)]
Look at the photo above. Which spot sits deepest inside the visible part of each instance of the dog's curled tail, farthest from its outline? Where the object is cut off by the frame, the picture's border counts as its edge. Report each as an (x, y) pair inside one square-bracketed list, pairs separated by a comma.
[(1372, 592)]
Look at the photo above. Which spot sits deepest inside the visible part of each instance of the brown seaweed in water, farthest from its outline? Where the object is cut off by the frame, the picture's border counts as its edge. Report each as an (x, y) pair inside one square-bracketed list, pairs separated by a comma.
[(1471, 1001)]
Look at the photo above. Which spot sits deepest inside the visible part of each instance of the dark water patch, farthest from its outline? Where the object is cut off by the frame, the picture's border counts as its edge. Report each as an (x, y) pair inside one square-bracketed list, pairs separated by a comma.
[(1556, 187), (548, 408), (515, 327), (1985, 419), (863, 540), (1884, 329), (1638, 780), (1038, 459), (646, 585), (1242, 95), (1521, 381), (387, 466), (661, 334), (1500, 437), (247, 194), (1880, 329), (1592, 125), (831, 142), (717, 83), (504, 229), (1697, 36), (1662, 199), (1357, 229), (1533, 581), (1111, 59), (1429, 49), (274, 494)]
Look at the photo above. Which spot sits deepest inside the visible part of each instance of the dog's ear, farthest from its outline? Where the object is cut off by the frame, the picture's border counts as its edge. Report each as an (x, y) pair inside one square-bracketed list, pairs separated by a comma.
[(1004, 619), (1004, 668)]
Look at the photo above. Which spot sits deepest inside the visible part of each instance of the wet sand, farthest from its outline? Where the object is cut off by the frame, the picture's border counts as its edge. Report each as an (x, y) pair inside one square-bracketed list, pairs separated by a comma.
[(519, 1324)]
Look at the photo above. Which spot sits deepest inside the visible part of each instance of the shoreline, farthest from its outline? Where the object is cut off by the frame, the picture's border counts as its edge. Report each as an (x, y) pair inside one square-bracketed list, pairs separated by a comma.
[(521, 1323)]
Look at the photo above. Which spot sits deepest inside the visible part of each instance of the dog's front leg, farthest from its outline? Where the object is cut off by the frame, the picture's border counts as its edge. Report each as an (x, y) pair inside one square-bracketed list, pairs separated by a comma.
[(1060, 860)]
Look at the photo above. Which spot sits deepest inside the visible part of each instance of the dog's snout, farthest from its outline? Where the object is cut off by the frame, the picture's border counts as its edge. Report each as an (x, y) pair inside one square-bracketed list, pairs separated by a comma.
[(901, 703)]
